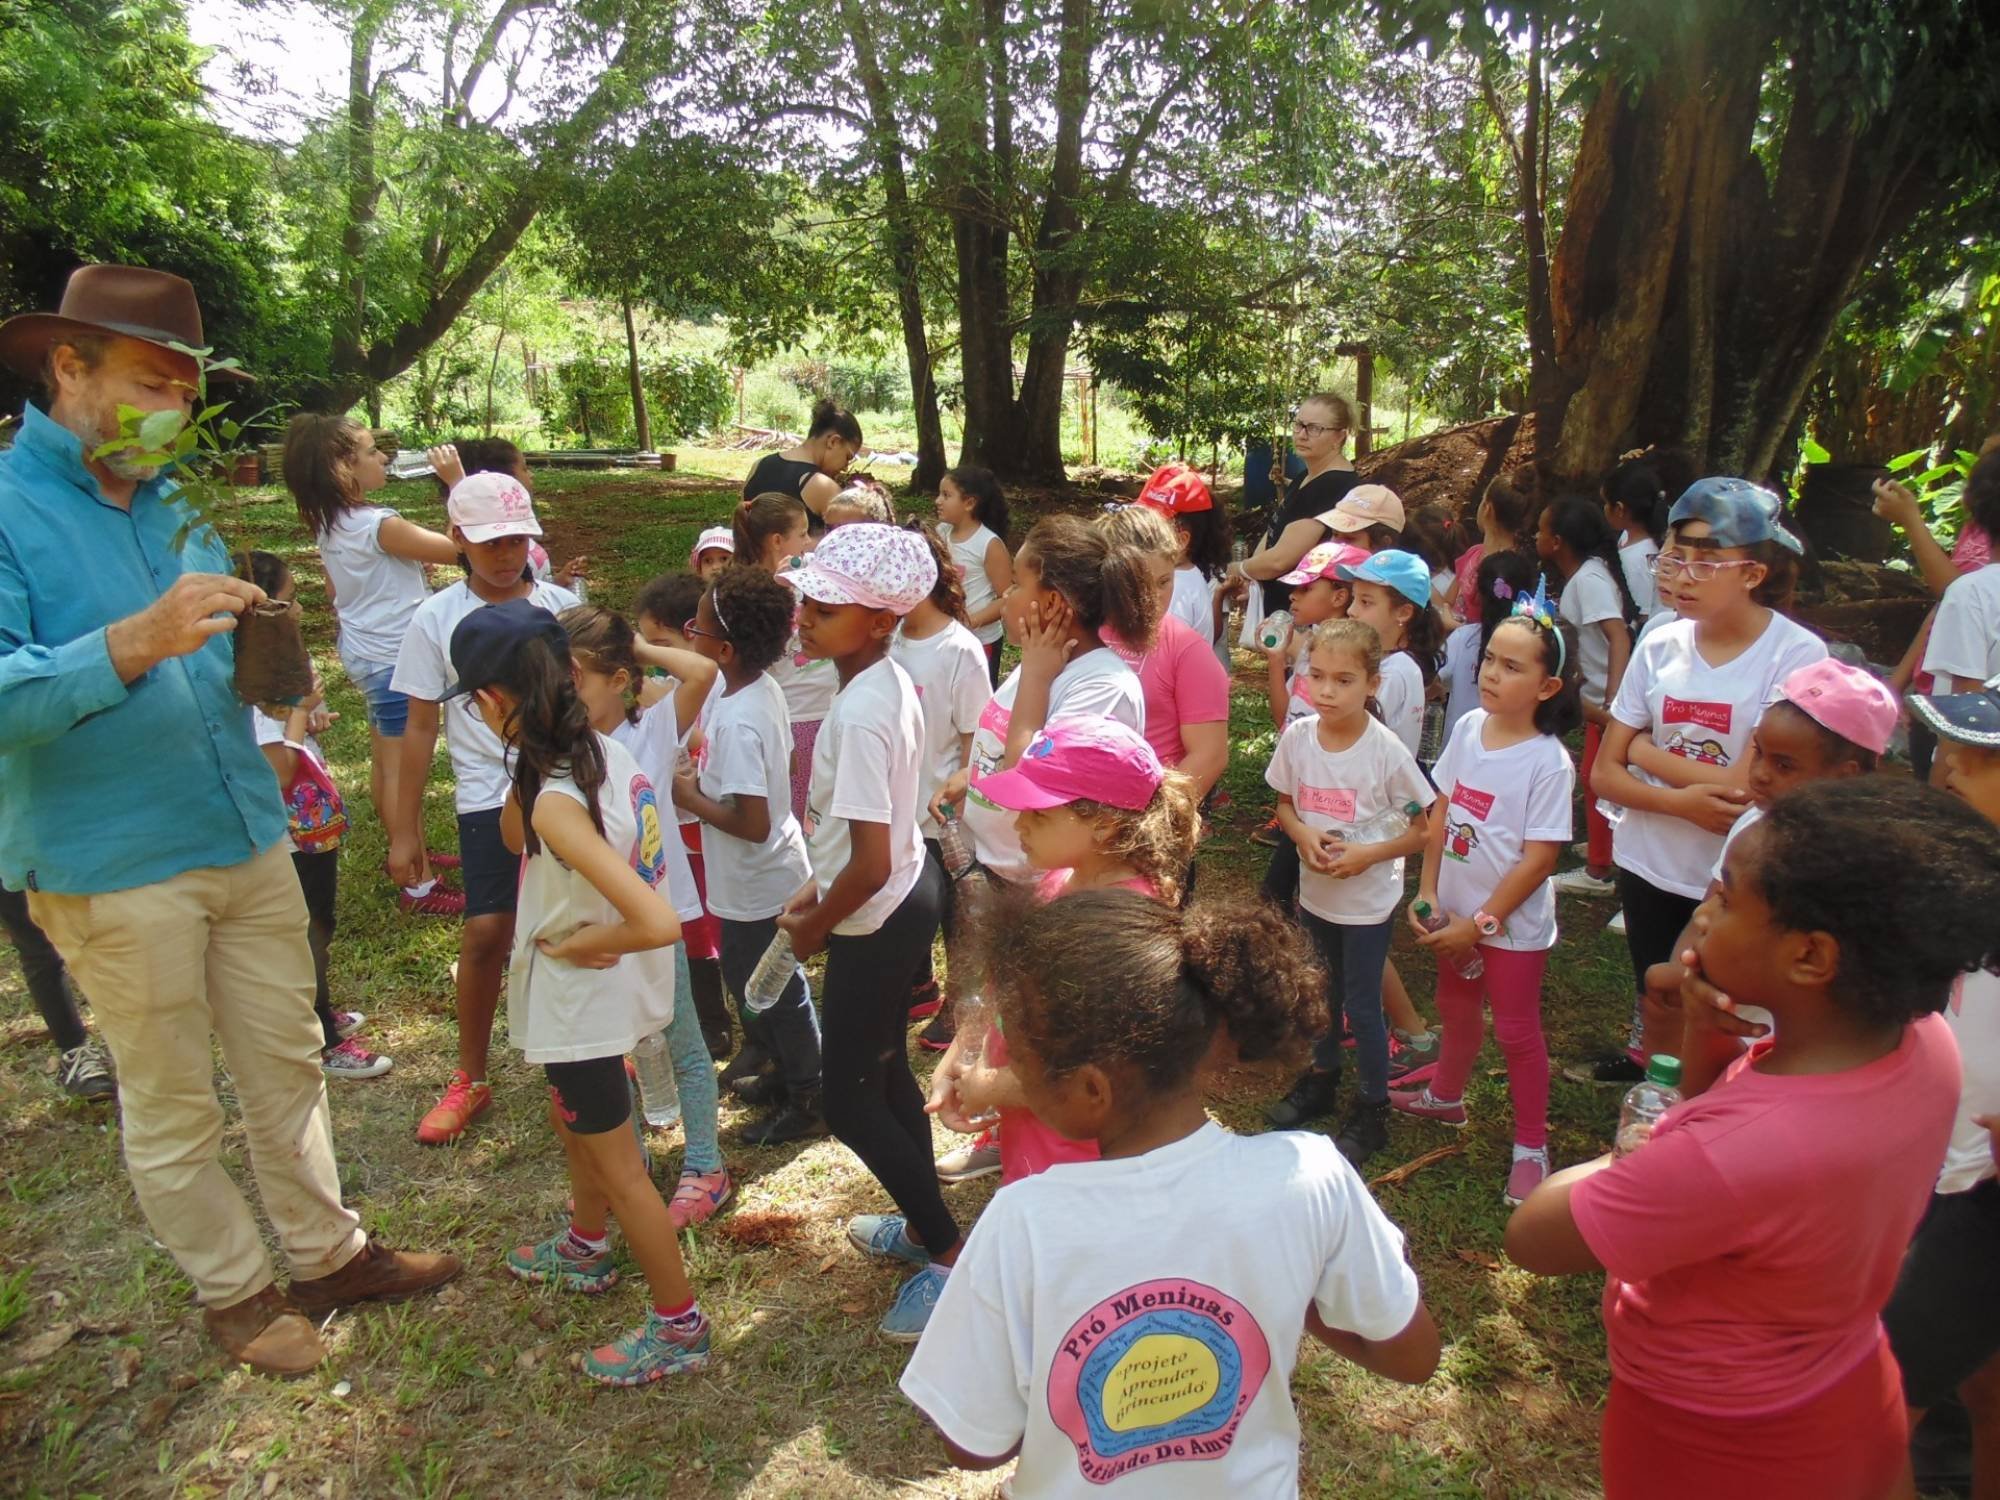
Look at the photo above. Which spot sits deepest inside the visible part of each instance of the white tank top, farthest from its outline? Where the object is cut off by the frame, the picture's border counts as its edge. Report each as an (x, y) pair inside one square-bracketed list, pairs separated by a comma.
[(970, 555)]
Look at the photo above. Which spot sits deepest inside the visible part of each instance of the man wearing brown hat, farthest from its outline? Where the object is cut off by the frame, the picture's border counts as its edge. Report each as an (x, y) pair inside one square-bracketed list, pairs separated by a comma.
[(146, 826)]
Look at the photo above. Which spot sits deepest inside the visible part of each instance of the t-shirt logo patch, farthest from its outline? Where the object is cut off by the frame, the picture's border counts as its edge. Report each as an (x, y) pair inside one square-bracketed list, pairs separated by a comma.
[(1689, 741), (1474, 801), (1335, 802), (649, 851), (1161, 1372), (1461, 837)]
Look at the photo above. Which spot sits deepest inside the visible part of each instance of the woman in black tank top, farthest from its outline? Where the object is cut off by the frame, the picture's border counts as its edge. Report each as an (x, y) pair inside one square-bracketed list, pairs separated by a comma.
[(810, 471)]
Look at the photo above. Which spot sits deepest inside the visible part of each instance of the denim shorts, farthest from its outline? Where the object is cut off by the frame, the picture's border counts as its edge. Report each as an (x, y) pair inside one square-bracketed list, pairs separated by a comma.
[(388, 710)]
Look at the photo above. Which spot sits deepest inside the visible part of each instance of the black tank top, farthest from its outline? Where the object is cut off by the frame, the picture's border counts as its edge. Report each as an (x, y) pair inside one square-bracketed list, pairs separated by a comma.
[(786, 476)]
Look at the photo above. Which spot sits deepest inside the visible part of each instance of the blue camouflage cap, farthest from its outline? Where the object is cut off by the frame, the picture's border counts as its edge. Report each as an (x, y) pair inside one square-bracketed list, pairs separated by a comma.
[(1739, 513)]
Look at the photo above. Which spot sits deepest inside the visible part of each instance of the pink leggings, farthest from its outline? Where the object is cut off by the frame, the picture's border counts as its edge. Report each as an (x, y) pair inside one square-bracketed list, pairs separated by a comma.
[(1513, 987)]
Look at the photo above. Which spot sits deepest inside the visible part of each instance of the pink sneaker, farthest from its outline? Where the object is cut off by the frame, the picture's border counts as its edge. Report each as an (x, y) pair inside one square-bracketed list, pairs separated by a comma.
[(698, 1196), (1528, 1174), (1424, 1106)]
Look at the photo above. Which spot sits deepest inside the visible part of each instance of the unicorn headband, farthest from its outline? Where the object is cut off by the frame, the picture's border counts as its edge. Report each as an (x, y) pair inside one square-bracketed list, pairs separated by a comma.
[(1537, 611)]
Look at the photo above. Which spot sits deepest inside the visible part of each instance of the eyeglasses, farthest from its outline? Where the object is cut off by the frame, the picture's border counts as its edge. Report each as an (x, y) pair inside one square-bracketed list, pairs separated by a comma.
[(688, 627), (1311, 429), (1699, 570)]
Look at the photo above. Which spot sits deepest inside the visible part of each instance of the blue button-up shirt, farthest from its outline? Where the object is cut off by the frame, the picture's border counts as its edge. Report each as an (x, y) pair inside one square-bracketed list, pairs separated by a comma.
[(106, 785)]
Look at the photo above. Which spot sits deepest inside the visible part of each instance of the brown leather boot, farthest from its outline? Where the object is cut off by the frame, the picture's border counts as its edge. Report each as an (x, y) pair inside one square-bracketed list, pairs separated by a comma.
[(266, 1333), (377, 1274)]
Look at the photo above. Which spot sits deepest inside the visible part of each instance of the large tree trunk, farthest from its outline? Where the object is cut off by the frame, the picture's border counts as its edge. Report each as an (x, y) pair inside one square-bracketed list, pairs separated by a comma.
[(905, 257)]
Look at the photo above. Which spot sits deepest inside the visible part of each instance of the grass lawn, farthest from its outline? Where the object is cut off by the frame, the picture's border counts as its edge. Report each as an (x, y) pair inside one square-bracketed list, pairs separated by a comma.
[(473, 1394)]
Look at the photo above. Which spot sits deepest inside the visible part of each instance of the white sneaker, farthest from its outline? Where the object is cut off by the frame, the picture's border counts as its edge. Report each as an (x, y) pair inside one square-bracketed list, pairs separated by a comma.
[(1581, 850), (1580, 882), (1617, 922), (350, 1059), (978, 1157)]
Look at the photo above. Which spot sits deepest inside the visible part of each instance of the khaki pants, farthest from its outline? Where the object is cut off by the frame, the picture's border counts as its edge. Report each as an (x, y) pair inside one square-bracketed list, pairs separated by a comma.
[(219, 951)]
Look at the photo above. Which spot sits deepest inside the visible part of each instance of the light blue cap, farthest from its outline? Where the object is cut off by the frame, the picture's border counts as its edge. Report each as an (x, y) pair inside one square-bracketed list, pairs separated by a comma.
[(1404, 572), (1739, 513)]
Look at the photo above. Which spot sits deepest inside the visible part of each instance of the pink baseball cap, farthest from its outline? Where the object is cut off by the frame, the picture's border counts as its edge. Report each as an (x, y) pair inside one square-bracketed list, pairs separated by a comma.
[(486, 507), (1363, 506), (880, 567), (1074, 759), (1848, 701), (715, 539), (1324, 561)]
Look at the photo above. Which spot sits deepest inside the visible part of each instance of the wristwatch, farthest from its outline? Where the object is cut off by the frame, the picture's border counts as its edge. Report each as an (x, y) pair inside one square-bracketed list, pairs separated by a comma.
[(1486, 924)]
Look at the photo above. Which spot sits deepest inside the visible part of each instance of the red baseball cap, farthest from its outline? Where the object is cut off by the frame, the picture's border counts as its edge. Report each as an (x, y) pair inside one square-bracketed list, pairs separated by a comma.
[(1177, 490)]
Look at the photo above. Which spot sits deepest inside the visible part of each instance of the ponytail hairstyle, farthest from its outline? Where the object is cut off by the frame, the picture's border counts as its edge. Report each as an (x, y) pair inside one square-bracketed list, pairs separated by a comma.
[(1558, 640), (1579, 523), (948, 593), (1423, 638), (1157, 840), (1142, 528), (1338, 405), (1435, 535), (984, 495), (828, 415), (1209, 538), (1139, 988), (755, 611), (1515, 498), (1514, 572), (1635, 487), (761, 517), (600, 640), (1104, 583), (548, 732), (1676, 468), (320, 452)]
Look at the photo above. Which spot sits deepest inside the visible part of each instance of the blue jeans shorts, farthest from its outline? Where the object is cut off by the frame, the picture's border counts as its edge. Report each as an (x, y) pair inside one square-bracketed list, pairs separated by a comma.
[(388, 710)]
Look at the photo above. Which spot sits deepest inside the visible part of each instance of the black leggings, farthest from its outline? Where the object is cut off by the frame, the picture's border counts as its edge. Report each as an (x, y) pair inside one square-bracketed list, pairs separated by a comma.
[(947, 914), (1654, 921), (872, 1102), (42, 968), (319, 879), (1281, 876)]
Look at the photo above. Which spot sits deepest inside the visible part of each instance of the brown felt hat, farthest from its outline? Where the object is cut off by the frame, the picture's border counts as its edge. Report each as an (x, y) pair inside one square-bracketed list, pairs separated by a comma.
[(154, 307)]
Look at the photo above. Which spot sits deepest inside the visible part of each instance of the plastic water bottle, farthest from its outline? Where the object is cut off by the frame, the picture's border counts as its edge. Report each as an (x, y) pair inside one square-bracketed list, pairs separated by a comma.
[(1389, 823), (658, 1096), (1469, 967), (773, 972), (412, 463), (1648, 1099), (975, 1019), (580, 586), (956, 852), (1275, 627)]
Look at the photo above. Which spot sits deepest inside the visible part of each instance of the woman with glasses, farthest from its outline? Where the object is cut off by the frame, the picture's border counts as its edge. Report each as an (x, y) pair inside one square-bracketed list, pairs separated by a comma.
[(1676, 751), (1320, 428)]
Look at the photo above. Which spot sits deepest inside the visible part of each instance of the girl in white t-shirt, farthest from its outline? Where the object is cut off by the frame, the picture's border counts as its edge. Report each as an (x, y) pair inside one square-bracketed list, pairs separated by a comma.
[(1674, 750), (1500, 579), (947, 666), (1501, 818), (1636, 505), (610, 665), (771, 533), (591, 974), (752, 847), (873, 900), (1575, 540), (1392, 592), (1348, 790), (374, 561), (1072, 587), (1221, 1250), (972, 519)]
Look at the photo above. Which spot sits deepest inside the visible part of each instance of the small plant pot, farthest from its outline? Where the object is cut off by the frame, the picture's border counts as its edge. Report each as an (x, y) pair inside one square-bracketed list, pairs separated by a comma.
[(272, 663)]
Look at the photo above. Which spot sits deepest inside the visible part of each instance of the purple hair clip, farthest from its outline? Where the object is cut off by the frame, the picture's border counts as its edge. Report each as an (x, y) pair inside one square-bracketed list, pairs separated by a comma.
[(1502, 589)]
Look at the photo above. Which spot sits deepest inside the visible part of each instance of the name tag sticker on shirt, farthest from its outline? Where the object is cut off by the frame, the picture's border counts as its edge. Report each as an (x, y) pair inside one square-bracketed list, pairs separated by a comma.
[(1474, 801), (1335, 802), (1161, 1372)]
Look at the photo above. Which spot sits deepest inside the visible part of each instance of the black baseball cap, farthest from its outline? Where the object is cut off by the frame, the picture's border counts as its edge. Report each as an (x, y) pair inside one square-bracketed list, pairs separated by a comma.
[(487, 639), (1969, 718)]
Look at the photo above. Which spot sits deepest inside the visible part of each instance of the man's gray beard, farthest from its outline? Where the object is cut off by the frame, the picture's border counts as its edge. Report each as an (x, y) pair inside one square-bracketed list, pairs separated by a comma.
[(124, 468)]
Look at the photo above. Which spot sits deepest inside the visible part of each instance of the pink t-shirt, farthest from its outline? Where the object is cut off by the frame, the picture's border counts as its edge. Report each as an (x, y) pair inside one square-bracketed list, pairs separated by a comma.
[(1467, 569), (1027, 1146), (1750, 1245), (1184, 683)]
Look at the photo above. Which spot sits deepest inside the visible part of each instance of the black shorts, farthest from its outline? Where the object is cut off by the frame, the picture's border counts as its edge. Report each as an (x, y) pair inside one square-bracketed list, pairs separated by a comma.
[(595, 1096), (1944, 1316), (491, 871)]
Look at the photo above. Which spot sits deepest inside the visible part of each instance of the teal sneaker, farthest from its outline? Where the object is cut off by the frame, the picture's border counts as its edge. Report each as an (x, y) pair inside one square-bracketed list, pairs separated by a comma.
[(652, 1351), (886, 1237), (907, 1315), (547, 1263)]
